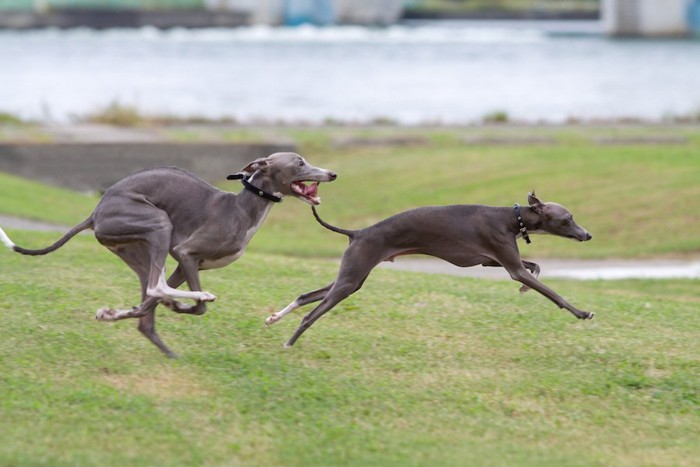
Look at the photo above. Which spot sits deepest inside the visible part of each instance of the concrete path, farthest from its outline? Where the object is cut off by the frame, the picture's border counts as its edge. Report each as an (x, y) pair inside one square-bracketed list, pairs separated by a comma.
[(609, 269), (11, 222)]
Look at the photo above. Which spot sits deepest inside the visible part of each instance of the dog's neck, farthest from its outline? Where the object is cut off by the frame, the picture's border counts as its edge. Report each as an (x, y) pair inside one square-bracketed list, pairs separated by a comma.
[(255, 206), (529, 219), (261, 186)]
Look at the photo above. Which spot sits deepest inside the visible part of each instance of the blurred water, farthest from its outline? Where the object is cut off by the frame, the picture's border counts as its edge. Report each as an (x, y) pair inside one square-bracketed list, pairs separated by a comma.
[(449, 72)]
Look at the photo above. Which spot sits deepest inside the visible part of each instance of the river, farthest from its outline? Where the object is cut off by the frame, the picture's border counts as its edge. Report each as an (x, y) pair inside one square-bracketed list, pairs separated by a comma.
[(450, 72)]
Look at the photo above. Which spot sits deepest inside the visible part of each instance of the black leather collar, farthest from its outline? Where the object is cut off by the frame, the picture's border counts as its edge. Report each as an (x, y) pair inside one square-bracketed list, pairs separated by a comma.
[(253, 189), (521, 225)]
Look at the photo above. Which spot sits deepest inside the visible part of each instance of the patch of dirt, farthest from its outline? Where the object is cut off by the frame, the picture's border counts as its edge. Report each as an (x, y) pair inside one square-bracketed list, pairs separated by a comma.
[(165, 383), (642, 140)]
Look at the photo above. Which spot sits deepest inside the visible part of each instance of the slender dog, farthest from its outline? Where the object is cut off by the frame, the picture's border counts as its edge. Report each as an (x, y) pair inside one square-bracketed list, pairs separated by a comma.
[(149, 214), (464, 235)]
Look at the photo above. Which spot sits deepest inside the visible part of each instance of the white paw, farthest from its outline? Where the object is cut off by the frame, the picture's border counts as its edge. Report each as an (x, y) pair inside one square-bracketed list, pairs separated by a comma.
[(272, 319), (105, 314), (205, 297)]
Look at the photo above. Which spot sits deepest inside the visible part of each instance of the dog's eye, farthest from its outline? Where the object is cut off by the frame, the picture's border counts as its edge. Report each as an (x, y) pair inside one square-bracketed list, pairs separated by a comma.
[(300, 162)]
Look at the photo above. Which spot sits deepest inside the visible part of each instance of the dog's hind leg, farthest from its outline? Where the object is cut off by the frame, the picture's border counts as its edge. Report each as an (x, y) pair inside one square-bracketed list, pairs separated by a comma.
[(147, 327), (335, 295), (147, 322), (136, 256), (301, 300), (534, 268), (351, 277)]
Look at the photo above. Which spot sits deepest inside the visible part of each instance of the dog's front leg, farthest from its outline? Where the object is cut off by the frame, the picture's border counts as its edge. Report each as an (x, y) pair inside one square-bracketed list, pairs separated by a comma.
[(161, 290), (175, 280), (529, 280), (534, 268), (514, 265)]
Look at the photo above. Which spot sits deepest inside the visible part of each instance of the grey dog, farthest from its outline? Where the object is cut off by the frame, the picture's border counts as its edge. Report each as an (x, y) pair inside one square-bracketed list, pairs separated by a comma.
[(149, 214), (464, 235)]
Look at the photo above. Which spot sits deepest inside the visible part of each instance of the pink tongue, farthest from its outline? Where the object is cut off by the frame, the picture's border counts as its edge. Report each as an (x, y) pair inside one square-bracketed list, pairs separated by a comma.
[(311, 190)]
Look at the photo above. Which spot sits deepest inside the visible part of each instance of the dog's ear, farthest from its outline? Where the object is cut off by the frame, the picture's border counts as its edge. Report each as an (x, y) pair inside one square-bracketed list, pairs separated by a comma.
[(257, 164), (534, 202)]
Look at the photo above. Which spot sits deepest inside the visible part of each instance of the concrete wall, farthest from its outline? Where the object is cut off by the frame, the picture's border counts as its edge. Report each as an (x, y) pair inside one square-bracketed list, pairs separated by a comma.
[(196, 13), (379, 12), (107, 18), (276, 12), (646, 17), (95, 167), (269, 12)]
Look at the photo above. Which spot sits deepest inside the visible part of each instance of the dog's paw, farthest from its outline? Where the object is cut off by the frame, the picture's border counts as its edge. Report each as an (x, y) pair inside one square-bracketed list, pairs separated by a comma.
[(105, 314), (585, 315), (206, 297), (272, 319)]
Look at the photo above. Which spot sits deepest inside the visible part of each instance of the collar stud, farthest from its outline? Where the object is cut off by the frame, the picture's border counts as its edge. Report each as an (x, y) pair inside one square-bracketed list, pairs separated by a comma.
[(252, 188), (521, 224)]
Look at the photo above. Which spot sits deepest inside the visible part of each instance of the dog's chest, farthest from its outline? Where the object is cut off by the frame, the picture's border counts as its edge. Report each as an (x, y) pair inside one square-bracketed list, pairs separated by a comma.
[(230, 258), (220, 262)]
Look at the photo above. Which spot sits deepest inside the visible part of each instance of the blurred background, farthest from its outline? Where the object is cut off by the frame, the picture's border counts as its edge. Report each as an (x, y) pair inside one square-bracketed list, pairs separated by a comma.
[(594, 104), (443, 101), (408, 62)]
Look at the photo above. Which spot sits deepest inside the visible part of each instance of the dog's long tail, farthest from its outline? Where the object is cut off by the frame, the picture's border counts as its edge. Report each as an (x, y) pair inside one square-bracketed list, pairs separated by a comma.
[(348, 233), (86, 224)]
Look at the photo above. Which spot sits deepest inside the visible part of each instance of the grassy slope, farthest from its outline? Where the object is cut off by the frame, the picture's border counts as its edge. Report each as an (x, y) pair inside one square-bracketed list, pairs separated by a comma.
[(26, 198), (633, 198), (413, 370), (630, 197)]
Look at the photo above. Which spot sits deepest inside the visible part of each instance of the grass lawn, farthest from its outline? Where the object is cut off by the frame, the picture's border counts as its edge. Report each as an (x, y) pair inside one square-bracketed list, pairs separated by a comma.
[(633, 196), (413, 370)]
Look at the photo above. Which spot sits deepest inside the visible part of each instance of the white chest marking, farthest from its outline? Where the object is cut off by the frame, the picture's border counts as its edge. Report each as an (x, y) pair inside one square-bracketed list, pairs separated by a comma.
[(221, 262), (228, 259)]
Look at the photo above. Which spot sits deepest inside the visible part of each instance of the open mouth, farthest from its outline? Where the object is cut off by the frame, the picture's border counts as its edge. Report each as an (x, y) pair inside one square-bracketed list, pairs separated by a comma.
[(308, 193)]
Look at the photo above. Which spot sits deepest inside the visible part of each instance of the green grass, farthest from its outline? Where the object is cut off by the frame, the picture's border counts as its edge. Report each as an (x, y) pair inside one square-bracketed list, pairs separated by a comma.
[(412, 370), (633, 197), (33, 200), (629, 196)]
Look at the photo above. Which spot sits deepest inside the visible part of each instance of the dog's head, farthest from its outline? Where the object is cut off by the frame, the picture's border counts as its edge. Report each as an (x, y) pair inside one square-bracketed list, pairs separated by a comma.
[(555, 219), (291, 175)]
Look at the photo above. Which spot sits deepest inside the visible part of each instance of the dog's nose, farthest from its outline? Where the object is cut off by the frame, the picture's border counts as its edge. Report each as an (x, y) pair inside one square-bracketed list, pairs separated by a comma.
[(588, 236), (333, 175)]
